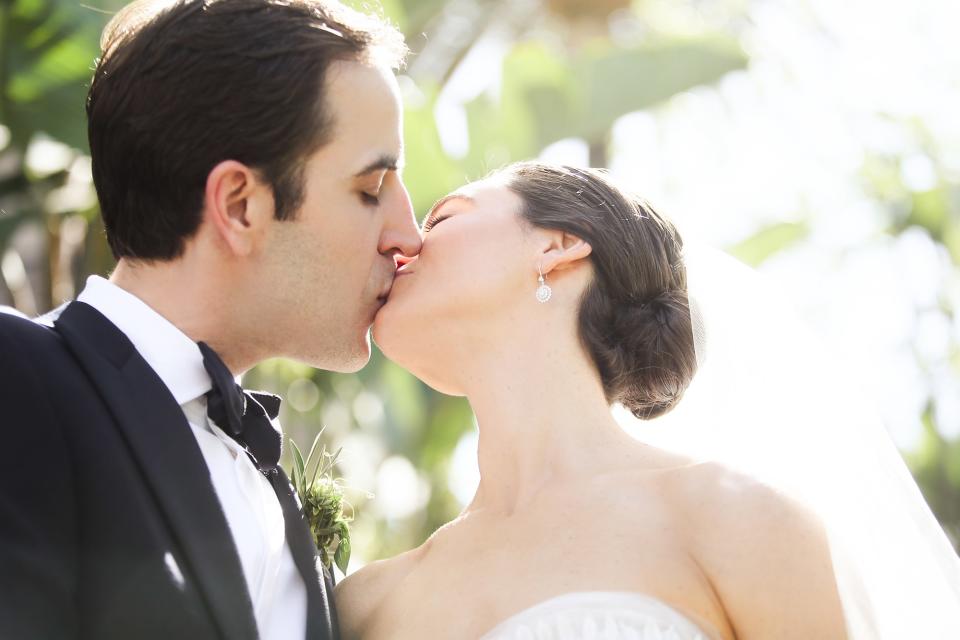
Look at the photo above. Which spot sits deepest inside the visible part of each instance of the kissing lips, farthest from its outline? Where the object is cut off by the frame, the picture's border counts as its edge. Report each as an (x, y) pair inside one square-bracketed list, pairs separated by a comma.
[(384, 295)]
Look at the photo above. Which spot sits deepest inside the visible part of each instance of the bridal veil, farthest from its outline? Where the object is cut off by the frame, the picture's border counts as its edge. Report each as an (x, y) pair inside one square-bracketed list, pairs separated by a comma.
[(768, 400)]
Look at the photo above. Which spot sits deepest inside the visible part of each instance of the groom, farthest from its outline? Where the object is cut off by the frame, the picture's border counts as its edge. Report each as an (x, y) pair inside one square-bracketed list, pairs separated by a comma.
[(246, 155)]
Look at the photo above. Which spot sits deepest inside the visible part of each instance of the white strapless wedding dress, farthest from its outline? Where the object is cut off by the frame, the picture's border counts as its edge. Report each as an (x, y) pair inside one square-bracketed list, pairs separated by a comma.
[(598, 615)]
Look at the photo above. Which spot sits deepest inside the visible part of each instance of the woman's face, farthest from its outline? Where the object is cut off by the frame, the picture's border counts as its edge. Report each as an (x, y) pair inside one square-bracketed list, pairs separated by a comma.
[(476, 266)]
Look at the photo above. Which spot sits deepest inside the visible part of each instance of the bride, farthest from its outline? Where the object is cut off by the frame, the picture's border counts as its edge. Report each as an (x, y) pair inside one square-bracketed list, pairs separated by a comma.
[(544, 294)]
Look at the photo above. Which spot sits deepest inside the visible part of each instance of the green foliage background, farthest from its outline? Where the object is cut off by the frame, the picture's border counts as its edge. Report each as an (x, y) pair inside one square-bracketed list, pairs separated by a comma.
[(567, 69)]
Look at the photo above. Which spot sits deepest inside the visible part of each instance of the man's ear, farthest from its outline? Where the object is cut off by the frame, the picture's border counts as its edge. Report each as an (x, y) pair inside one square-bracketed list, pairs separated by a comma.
[(237, 206), (563, 250)]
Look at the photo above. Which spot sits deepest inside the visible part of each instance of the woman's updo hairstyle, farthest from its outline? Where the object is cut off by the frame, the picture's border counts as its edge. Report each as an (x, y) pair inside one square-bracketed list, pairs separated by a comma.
[(634, 317)]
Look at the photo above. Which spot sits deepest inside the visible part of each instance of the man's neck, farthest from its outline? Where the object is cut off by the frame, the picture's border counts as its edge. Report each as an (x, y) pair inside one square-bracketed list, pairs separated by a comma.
[(189, 298)]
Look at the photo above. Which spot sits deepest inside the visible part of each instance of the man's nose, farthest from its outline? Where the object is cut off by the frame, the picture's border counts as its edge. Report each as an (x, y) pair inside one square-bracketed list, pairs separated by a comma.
[(401, 233)]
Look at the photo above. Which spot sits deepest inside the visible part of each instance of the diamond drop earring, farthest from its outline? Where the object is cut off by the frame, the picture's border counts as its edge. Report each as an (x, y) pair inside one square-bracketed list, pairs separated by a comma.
[(543, 291)]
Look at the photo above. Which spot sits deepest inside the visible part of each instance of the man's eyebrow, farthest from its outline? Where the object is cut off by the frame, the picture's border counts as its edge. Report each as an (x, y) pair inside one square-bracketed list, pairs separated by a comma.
[(442, 201), (386, 162)]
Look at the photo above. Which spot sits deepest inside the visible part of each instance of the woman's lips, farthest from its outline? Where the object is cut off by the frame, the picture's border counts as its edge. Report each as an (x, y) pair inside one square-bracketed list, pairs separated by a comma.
[(382, 300)]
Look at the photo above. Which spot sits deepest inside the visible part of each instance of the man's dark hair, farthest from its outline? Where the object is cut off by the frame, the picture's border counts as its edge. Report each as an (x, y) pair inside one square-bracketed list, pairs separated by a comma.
[(182, 86)]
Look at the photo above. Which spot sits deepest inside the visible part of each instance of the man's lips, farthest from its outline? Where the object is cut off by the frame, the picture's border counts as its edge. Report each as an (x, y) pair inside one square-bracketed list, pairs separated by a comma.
[(382, 298), (386, 294)]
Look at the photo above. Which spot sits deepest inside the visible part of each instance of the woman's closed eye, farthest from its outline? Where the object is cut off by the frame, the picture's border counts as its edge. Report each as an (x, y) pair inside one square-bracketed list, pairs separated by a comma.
[(432, 222), (370, 198)]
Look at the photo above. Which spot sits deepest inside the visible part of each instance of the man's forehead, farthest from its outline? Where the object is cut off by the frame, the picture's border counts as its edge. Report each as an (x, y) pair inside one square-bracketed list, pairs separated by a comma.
[(365, 119)]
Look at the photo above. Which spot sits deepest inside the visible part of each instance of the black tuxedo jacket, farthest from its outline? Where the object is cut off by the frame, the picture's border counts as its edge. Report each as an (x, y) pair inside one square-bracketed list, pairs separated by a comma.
[(109, 524)]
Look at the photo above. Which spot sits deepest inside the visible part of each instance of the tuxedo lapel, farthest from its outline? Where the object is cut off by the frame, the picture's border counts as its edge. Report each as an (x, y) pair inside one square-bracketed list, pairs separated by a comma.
[(321, 613), (159, 436)]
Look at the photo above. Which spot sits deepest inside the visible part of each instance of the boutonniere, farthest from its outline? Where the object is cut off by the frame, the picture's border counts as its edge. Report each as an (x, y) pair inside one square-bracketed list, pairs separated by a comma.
[(322, 502)]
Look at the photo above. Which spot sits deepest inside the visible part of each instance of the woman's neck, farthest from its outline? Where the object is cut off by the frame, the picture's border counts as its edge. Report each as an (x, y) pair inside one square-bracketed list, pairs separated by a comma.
[(543, 419)]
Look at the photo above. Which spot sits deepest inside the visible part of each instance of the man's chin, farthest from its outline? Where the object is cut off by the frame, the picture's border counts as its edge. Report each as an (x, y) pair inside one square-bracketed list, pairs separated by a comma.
[(349, 356), (359, 357), (380, 320)]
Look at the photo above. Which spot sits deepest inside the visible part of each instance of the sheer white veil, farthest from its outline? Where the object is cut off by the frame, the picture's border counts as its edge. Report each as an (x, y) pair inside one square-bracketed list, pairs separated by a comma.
[(769, 401)]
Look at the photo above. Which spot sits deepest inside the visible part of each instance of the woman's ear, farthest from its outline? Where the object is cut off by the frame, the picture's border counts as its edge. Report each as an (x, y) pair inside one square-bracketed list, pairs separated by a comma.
[(235, 206), (565, 250)]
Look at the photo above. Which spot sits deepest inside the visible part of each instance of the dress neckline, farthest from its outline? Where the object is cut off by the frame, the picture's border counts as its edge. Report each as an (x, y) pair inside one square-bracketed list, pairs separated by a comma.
[(592, 600)]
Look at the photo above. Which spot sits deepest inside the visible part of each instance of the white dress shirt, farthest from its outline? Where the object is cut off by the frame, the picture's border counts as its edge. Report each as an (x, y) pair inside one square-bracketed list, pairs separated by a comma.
[(251, 507)]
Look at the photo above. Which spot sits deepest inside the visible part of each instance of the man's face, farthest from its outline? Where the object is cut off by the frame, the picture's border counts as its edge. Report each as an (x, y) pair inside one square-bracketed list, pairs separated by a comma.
[(326, 271)]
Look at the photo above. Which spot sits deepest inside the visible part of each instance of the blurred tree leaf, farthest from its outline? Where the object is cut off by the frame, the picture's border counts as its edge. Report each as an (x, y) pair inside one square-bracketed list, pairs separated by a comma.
[(936, 467), (406, 396), (48, 52), (427, 165), (450, 419), (9, 221), (538, 95), (416, 14), (612, 82), (951, 240), (929, 210), (393, 10), (578, 9), (497, 135), (547, 96), (769, 241)]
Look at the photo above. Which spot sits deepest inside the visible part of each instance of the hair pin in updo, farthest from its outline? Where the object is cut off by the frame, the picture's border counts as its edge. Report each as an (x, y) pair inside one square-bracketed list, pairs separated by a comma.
[(323, 26)]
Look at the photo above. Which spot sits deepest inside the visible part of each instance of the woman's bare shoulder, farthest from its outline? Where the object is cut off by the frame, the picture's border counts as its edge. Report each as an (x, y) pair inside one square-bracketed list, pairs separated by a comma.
[(737, 502), (359, 595), (734, 508), (697, 484), (765, 553)]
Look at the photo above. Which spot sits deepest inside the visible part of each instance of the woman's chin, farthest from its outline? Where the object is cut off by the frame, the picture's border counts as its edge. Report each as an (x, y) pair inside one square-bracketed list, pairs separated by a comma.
[(401, 338)]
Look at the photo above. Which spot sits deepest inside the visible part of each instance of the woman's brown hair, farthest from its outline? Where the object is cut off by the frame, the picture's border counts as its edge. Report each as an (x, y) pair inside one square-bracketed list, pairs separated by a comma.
[(634, 317)]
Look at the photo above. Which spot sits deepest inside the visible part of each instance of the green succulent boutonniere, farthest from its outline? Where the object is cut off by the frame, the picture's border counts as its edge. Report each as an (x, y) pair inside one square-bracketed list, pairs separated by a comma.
[(321, 497)]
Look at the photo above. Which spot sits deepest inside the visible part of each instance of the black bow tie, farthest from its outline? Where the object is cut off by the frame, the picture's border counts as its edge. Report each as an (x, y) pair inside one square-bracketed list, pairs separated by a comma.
[(246, 416)]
